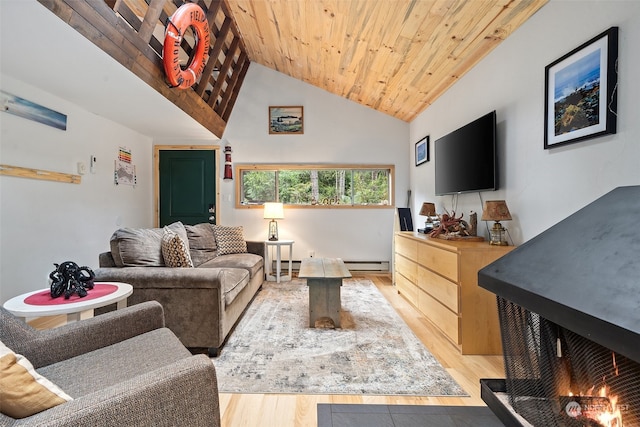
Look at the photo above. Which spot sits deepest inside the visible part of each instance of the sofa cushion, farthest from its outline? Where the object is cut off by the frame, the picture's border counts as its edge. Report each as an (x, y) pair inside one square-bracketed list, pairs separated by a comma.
[(175, 250), (24, 392), (132, 247), (233, 281), (202, 243), (144, 353), (229, 240), (250, 262)]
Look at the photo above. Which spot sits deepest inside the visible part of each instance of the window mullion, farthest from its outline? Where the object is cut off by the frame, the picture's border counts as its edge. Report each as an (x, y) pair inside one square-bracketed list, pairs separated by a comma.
[(353, 200)]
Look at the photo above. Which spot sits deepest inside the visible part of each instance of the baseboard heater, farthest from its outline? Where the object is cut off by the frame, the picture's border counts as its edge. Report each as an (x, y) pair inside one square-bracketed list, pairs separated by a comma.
[(372, 266)]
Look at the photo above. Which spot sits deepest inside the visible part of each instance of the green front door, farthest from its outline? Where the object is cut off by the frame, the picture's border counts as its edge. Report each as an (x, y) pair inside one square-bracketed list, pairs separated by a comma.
[(187, 186)]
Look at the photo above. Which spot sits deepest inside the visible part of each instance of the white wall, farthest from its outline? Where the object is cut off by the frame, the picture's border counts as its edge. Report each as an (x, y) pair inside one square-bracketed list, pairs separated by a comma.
[(335, 131), (46, 222), (541, 187)]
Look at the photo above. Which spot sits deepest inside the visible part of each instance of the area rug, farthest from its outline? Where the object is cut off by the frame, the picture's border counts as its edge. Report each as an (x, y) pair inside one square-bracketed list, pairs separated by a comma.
[(273, 350)]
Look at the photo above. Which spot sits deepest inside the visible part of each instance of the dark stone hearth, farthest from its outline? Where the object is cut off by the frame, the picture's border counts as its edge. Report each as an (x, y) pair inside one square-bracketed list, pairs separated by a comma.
[(350, 415)]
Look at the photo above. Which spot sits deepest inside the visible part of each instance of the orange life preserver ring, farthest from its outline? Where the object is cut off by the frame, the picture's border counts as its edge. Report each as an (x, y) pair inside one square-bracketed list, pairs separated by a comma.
[(187, 15)]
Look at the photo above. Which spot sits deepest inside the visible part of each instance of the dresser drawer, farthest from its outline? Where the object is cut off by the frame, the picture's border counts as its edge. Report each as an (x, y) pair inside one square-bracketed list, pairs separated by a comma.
[(407, 289), (440, 288), (439, 260), (440, 278), (407, 268), (443, 318), (406, 247)]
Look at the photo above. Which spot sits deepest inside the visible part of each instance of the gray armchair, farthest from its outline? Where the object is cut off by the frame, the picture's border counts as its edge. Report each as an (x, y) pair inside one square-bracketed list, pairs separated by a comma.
[(121, 368)]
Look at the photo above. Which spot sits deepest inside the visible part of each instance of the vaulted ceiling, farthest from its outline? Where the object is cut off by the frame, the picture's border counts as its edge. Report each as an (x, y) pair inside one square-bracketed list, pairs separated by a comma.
[(396, 56)]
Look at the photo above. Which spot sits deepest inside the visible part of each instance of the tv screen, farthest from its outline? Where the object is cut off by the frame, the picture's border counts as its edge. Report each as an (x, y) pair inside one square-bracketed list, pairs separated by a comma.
[(465, 159)]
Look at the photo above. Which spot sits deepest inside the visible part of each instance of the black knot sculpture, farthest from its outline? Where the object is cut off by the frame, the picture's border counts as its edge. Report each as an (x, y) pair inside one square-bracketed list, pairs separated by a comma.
[(68, 278)]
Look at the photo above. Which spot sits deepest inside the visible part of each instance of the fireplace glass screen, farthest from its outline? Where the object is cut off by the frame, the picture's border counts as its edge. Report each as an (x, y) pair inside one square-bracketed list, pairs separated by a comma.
[(555, 377)]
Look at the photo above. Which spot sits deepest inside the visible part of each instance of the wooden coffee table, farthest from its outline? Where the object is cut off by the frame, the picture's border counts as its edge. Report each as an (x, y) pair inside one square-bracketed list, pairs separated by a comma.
[(39, 303), (324, 278)]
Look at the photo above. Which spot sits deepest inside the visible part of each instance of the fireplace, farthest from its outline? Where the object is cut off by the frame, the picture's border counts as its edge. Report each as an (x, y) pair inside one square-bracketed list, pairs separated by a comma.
[(569, 308)]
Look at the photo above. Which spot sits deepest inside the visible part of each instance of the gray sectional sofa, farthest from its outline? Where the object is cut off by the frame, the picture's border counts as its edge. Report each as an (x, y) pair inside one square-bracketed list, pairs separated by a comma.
[(219, 273)]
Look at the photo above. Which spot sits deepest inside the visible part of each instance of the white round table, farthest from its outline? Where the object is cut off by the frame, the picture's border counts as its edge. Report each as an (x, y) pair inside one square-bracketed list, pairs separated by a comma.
[(75, 309)]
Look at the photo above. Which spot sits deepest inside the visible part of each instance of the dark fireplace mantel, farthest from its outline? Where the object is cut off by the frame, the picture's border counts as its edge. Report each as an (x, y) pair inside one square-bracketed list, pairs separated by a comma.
[(583, 273)]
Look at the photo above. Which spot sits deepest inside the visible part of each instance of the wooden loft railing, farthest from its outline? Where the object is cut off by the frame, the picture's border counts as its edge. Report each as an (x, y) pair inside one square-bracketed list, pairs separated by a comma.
[(132, 32)]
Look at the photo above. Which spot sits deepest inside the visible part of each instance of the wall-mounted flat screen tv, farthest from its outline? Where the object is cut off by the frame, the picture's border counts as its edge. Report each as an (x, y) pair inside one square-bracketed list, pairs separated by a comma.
[(465, 159)]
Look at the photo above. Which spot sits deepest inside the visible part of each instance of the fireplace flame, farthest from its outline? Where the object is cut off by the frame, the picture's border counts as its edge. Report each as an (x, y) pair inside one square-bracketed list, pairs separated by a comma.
[(613, 417), (601, 407)]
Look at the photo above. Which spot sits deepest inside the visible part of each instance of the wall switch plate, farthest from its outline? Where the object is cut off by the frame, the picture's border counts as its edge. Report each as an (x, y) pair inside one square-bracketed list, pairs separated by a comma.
[(82, 168)]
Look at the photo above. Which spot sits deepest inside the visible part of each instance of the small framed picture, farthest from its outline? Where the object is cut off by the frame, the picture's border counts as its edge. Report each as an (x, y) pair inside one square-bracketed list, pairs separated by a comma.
[(422, 151), (581, 92), (286, 120)]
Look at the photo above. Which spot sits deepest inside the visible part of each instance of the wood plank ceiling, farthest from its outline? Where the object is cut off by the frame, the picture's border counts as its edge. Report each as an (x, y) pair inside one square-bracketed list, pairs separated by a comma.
[(396, 56)]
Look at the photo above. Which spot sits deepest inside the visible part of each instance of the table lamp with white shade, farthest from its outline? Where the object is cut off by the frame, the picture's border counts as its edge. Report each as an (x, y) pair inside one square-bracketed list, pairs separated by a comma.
[(273, 211)]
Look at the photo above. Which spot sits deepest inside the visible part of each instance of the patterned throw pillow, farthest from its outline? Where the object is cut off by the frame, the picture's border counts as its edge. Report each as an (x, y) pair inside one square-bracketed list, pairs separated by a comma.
[(174, 250), (23, 391), (230, 240)]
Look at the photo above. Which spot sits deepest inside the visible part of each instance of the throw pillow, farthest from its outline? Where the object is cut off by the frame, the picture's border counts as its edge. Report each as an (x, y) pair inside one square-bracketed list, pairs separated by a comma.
[(141, 247), (202, 243), (230, 240), (174, 250), (23, 391)]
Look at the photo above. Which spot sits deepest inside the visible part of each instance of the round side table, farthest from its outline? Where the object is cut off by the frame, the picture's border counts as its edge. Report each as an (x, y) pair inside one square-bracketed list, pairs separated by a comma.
[(39, 303)]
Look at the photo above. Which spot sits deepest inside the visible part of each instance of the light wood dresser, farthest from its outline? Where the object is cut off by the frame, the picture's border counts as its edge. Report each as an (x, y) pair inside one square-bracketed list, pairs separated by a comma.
[(440, 278)]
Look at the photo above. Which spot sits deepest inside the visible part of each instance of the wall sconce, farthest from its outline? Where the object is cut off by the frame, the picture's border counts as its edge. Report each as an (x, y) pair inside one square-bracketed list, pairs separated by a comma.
[(496, 210), (428, 209), (273, 211)]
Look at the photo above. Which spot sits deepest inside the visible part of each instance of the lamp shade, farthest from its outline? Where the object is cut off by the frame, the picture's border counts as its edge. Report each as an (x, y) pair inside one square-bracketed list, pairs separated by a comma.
[(496, 210), (428, 209), (273, 211)]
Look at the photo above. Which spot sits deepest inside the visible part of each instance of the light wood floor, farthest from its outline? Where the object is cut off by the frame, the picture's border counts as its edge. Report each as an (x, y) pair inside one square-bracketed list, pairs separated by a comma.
[(278, 410), (285, 410)]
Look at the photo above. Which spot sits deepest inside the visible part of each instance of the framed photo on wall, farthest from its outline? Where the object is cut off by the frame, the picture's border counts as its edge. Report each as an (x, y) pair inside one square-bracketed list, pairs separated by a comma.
[(422, 151), (31, 111), (286, 120), (581, 92)]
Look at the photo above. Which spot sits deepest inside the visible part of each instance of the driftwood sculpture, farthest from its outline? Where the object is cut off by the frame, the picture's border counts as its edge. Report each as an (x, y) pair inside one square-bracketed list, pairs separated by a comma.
[(451, 226)]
